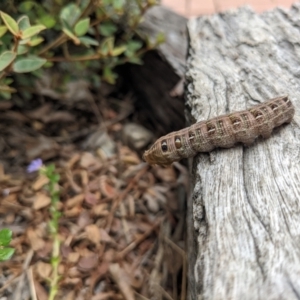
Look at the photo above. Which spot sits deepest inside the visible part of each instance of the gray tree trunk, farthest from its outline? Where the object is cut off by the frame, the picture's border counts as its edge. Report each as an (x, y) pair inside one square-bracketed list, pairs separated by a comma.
[(245, 204)]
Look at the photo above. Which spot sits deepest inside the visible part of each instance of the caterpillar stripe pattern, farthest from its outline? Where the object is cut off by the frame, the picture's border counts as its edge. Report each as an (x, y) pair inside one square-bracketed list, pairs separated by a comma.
[(223, 131)]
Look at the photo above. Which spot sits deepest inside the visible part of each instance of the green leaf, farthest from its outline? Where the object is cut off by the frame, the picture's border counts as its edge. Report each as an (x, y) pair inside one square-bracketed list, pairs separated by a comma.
[(70, 14), (28, 64), (82, 27), (3, 30), (109, 76), (54, 177), (24, 42), (10, 23), (47, 21), (87, 41), (36, 40), (6, 253), (5, 95), (48, 64), (68, 31), (24, 23), (33, 30), (106, 2), (50, 169), (118, 50), (5, 237), (7, 89), (26, 6), (135, 60), (71, 35), (134, 45), (118, 4), (107, 45), (6, 58), (8, 80), (107, 29), (52, 226), (22, 49)]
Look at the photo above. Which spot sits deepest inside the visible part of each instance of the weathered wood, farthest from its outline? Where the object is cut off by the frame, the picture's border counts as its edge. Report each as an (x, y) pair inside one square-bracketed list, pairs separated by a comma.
[(245, 204), (159, 104)]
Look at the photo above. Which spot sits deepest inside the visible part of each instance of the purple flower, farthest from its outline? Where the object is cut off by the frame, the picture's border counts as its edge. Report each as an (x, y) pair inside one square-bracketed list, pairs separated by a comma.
[(35, 165)]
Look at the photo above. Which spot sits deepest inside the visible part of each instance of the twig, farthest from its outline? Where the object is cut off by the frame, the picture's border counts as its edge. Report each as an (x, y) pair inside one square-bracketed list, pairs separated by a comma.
[(137, 241), (154, 283), (31, 284), (123, 195), (19, 287), (184, 266), (10, 281)]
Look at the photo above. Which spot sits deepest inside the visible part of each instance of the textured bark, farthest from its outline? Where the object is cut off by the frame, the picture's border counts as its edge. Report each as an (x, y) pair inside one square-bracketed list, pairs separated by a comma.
[(245, 206), (160, 104)]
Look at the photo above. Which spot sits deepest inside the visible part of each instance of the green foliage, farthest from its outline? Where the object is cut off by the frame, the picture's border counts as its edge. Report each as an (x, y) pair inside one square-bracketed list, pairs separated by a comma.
[(36, 34), (53, 225), (5, 239)]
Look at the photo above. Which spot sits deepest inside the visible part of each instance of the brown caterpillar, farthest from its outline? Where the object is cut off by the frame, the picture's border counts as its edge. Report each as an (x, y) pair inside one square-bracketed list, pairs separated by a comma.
[(224, 131)]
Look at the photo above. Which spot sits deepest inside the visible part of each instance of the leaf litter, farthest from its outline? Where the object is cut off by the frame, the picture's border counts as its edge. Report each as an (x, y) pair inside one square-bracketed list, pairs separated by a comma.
[(122, 227)]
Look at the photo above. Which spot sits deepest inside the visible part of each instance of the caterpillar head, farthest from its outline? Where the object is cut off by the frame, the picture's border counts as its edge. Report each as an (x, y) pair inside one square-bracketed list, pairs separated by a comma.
[(162, 152)]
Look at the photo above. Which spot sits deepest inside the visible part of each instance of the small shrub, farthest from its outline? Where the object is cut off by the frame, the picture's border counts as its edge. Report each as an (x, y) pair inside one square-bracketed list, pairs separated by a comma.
[(94, 35)]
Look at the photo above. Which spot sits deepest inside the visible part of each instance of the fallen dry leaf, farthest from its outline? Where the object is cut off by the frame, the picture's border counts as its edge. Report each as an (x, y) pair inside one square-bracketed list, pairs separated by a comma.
[(76, 200), (58, 116), (105, 236), (73, 257), (151, 202), (88, 159), (166, 174), (93, 233), (87, 263), (73, 212), (73, 282), (105, 188), (40, 182), (43, 269), (102, 143), (91, 199), (35, 241), (84, 219), (73, 272), (100, 210), (121, 278), (40, 290), (40, 112), (136, 136), (41, 201)]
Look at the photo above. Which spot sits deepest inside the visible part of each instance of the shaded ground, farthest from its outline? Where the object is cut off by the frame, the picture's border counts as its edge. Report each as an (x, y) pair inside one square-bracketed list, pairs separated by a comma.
[(122, 224)]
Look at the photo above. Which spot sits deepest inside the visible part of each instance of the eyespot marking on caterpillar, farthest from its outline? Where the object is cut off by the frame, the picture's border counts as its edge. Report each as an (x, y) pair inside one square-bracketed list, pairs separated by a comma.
[(257, 114), (164, 146), (236, 122), (286, 99), (191, 135), (177, 140), (211, 129), (274, 107)]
